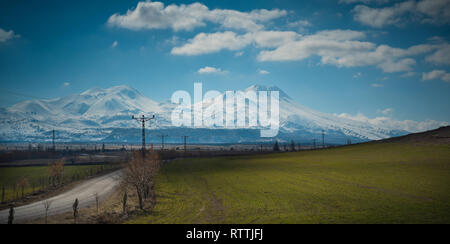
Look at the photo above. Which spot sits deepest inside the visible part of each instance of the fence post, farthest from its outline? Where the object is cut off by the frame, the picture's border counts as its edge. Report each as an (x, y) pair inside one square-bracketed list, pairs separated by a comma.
[(3, 194)]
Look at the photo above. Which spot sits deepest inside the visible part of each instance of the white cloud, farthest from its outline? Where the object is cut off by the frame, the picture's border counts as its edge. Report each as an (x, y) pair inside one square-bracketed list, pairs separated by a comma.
[(273, 38), (154, 15), (425, 11), (7, 35), (66, 84), (204, 43), (407, 125), (300, 23), (345, 48), (211, 70), (239, 54), (376, 85), (210, 43), (386, 111), (409, 74), (436, 74), (357, 75), (364, 1), (441, 56), (342, 48), (115, 43), (263, 72)]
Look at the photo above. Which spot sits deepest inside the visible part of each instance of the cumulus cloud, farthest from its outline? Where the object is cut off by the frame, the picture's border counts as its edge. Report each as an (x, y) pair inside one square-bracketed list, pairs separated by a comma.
[(436, 74), (409, 74), (386, 111), (115, 43), (66, 84), (441, 56), (364, 1), (345, 48), (407, 125), (263, 72), (204, 43), (7, 35), (301, 25), (154, 15), (424, 11), (342, 48), (211, 70), (209, 43)]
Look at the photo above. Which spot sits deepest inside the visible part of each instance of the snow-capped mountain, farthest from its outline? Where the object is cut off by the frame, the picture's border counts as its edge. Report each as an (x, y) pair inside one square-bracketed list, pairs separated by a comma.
[(98, 114)]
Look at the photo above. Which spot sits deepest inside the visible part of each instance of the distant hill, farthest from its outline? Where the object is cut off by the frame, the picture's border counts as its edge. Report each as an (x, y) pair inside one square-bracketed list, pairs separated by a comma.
[(437, 136)]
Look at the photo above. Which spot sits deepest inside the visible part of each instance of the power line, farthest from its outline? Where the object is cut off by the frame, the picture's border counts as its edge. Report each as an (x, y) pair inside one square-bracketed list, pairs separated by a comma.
[(143, 119)]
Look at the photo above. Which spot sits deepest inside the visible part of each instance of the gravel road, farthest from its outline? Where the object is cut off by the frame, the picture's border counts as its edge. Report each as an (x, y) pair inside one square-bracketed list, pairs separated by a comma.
[(103, 186)]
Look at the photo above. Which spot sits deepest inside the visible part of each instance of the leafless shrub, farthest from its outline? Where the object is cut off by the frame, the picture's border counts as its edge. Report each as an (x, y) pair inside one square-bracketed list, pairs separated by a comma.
[(139, 173), (22, 184), (55, 172), (47, 205)]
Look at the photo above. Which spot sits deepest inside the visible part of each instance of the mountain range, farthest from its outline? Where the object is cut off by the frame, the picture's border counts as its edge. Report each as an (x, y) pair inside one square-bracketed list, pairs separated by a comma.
[(105, 115)]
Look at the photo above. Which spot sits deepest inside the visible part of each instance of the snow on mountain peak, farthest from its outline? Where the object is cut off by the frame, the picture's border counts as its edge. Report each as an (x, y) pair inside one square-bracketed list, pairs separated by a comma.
[(98, 108), (257, 87)]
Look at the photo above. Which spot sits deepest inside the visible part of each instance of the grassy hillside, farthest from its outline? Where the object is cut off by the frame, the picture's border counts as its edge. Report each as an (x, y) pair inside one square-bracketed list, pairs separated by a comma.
[(368, 183)]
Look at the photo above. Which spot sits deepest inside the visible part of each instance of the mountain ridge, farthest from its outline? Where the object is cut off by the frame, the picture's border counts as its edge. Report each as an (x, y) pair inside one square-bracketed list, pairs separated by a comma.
[(96, 113)]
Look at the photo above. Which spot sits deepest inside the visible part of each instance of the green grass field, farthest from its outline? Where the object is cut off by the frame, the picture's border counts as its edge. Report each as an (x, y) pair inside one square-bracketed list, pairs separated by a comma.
[(11, 176), (368, 183)]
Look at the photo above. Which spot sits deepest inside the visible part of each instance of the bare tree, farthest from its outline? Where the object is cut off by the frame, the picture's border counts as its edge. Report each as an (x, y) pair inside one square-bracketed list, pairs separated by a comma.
[(139, 174), (22, 184), (55, 171), (47, 205)]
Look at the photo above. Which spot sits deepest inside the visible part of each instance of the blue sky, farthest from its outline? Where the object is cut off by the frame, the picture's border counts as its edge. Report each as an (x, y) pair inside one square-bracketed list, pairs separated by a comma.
[(366, 58)]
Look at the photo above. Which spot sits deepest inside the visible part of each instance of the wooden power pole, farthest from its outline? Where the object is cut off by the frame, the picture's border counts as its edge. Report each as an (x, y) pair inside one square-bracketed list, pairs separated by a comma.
[(185, 143)]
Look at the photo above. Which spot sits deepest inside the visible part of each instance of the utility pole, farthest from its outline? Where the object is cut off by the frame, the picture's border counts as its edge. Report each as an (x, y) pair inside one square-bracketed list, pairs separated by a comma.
[(53, 140), (162, 141), (143, 119), (185, 138), (314, 143), (323, 139)]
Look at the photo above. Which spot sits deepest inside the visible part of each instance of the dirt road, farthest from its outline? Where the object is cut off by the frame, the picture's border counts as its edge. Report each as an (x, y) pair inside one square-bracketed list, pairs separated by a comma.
[(103, 186)]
